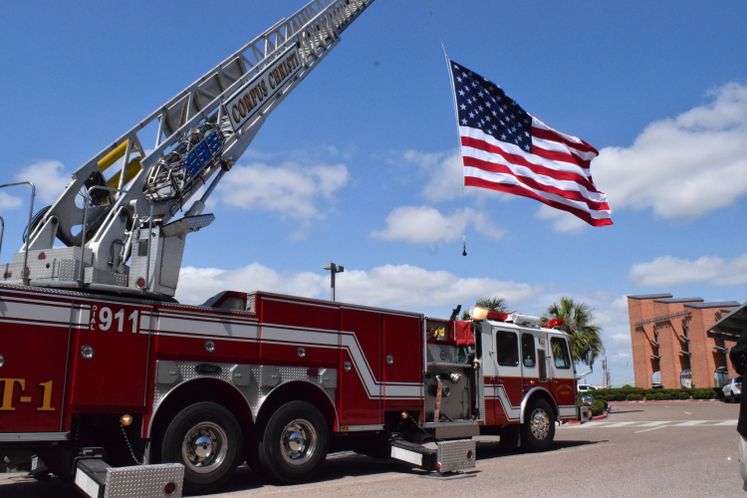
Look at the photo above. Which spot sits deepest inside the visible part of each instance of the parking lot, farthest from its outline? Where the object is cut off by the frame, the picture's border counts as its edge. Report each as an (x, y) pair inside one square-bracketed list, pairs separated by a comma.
[(668, 448)]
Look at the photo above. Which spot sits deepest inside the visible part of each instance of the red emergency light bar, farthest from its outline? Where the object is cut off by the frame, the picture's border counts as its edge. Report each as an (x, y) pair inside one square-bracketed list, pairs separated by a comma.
[(554, 323), (498, 316)]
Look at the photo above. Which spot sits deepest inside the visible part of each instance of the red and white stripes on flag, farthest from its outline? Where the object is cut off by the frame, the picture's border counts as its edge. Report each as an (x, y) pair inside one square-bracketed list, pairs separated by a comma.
[(508, 150)]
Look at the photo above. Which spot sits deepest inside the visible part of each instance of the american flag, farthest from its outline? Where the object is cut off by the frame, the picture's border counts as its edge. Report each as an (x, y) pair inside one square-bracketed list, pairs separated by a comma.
[(507, 149)]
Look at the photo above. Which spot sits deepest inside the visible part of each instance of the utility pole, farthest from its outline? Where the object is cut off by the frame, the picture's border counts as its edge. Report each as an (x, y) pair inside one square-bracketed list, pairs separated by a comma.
[(333, 270), (606, 375)]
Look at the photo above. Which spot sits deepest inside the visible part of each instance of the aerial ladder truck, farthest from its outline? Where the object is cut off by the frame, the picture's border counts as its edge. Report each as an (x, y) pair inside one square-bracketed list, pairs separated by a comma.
[(124, 217), (128, 234), (111, 382)]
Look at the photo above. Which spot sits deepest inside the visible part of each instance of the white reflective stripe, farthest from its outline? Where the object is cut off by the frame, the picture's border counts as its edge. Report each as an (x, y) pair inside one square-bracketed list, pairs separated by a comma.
[(36, 314), (349, 342), (225, 328), (278, 334), (327, 338), (493, 391), (407, 456), (86, 484), (174, 325), (33, 436)]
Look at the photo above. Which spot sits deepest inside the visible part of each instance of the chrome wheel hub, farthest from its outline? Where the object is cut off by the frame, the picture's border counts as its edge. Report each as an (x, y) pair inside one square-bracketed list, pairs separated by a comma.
[(298, 442), (204, 447), (539, 424)]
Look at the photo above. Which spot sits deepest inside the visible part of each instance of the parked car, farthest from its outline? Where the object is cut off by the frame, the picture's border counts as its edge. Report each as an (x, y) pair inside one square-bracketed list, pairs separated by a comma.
[(733, 390), (583, 388)]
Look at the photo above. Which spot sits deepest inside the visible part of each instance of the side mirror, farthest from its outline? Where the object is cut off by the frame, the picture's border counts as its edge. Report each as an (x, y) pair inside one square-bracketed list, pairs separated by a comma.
[(588, 357)]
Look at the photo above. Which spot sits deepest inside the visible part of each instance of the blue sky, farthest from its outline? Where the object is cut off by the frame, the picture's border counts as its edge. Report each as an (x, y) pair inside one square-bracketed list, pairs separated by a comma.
[(359, 164)]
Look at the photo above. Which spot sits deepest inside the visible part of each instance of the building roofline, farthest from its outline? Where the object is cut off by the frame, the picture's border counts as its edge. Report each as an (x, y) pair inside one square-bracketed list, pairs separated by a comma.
[(650, 296), (674, 300), (714, 304)]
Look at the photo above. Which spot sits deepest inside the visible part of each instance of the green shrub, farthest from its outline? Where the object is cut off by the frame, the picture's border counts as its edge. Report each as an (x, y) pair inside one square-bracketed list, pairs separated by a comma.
[(598, 407), (628, 393), (703, 393)]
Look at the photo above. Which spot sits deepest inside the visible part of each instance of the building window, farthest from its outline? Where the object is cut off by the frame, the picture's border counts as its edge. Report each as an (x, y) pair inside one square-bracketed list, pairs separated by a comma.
[(656, 379), (686, 379)]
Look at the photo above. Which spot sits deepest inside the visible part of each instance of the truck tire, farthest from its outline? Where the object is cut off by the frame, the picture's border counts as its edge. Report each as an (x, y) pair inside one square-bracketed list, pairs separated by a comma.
[(206, 438), (294, 442), (510, 437), (538, 429), (251, 453)]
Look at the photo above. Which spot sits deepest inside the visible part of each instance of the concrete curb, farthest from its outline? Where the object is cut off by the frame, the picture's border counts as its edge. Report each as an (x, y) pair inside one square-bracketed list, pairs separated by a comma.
[(595, 417), (677, 401)]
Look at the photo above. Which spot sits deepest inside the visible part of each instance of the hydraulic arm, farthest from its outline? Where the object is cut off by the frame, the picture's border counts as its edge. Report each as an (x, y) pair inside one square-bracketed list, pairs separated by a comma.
[(124, 217)]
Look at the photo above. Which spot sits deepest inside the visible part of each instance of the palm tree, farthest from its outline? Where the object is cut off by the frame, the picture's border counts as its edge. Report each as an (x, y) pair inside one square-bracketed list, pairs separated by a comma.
[(494, 303), (586, 341)]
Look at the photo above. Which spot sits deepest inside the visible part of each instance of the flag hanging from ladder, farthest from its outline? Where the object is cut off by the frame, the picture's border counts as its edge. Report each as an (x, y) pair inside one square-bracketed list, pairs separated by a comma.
[(505, 148)]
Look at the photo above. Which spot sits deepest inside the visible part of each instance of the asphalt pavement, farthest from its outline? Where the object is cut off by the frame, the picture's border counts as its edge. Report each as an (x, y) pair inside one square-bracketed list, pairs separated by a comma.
[(675, 448)]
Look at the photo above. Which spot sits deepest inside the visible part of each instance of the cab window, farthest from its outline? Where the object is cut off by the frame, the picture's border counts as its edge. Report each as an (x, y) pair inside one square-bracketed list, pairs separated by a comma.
[(508, 348), (560, 352), (527, 350)]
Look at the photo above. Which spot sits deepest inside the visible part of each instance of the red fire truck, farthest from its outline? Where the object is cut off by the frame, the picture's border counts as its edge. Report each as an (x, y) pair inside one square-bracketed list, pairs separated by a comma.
[(108, 380), (272, 379)]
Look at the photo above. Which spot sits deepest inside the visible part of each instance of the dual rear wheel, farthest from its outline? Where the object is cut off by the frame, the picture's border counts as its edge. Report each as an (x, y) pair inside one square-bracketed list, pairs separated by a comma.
[(207, 439)]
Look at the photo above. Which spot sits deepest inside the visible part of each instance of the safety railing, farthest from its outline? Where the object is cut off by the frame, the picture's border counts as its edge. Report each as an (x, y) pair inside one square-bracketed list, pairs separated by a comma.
[(25, 271)]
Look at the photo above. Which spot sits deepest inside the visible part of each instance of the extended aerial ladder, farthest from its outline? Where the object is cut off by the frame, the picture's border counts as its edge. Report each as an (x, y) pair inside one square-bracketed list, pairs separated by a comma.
[(122, 231)]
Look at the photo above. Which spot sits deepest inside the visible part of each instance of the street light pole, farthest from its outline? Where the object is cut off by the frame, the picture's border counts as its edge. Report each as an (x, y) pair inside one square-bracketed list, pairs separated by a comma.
[(333, 270)]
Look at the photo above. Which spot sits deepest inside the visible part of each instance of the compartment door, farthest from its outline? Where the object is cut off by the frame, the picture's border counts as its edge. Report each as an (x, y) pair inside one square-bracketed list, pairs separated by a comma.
[(403, 363), (109, 357), (34, 339), (359, 371)]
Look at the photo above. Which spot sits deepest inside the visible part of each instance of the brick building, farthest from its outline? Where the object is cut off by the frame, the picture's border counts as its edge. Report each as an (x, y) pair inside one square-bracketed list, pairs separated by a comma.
[(669, 341)]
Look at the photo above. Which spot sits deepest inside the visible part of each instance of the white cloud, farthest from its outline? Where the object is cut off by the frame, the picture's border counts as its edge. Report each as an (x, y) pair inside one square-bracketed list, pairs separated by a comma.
[(444, 172), (411, 286), (444, 180), (8, 201), (290, 189), (562, 221), (668, 271), (394, 286), (49, 179), (196, 285), (683, 167), (426, 225)]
